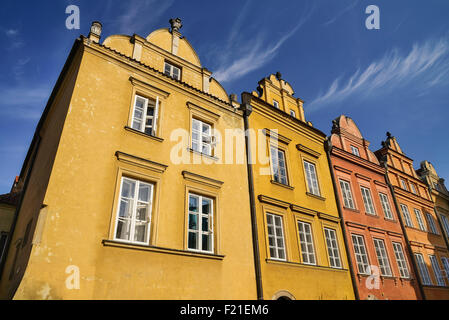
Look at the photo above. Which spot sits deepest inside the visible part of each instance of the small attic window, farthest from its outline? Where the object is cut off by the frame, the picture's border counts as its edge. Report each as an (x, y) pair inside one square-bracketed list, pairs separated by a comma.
[(172, 71), (276, 104)]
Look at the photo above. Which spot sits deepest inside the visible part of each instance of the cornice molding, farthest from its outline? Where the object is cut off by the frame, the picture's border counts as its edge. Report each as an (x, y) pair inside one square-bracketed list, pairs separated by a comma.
[(272, 134), (307, 150), (140, 162), (193, 177), (140, 83)]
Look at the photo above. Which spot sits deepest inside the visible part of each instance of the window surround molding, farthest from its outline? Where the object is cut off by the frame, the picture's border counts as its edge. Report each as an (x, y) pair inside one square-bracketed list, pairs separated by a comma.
[(140, 87), (310, 152), (317, 166), (210, 188), (143, 170), (273, 201), (282, 212), (316, 244), (346, 179), (270, 133), (334, 225), (287, 168)]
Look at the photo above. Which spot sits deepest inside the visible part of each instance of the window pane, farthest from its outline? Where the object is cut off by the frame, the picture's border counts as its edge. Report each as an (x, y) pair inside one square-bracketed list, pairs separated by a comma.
[(123, 229), (205, 224), (205, 245), (128, 187), (193, 204), (193, 221), (140, 233), (193, 239)]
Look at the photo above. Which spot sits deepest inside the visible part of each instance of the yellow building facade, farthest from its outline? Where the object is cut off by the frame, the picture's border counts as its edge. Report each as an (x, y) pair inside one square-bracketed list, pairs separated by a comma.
[(126, 195), (300, 245)]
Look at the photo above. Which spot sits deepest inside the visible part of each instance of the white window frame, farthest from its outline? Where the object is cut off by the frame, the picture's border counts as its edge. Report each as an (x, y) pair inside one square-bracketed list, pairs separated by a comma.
[(199, 230), (332, 248), (293, 113), (276, 104), (382, 257), (413, 188), (143, 120), (305, 231), (355, 151), (445, 224), (437, 270), (367, 200), (313, 186), (423, 271), (420, 220), (407, 217), (404, 184), (134, 202), (431, 222), (278, 166), (277, 235), (386, 205), (400, 260), (204, 141), (360, 253), (171, 72), (348, 200)]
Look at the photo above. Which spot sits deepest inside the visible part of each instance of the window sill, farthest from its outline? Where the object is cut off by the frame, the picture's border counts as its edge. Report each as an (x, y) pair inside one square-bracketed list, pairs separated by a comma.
[(372, 215), (127, 245), (203, 154), (315, 196), (350, 209), (390, 220), (143, 134), (282, 185), (304, 265)]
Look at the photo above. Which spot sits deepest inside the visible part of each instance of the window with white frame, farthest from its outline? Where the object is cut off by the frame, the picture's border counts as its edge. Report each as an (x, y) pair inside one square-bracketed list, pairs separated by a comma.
[(400, 259), (437, 270), (404, 184), (355, 151), (413, 188), (431, 222), (407, 217), (360, 254), (445, 221), (276, 104), (382, 257), (386, 206), (276, 237), (445, 262), (200, 228), (202, 138), (348, 202), (293, 113), (306, 242), (172, 71), (279, 165), (311, 176), (367, 200), (134, 211), (420, 220), (422, 269), (145, 115), (332, 248)]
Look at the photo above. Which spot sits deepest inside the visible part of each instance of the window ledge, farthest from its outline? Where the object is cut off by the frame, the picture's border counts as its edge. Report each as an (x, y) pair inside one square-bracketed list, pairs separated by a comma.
[(304, 265), (315, 196), (203, 154), (372, 215), (350, 209), (143, 134), (390, 220), (126, 245), (282, 185)]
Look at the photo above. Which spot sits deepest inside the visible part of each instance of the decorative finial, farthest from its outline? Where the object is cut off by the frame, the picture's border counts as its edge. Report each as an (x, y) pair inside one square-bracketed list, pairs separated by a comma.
[(95, 31), (176, 24), (278, 76), (388, 134)]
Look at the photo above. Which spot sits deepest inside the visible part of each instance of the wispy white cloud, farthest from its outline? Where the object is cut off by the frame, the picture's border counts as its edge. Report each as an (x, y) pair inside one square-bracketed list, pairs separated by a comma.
[(15, 40), (252, 53), (23, 102), (424, 67), (11, 32), (139, 14), (340, 13)]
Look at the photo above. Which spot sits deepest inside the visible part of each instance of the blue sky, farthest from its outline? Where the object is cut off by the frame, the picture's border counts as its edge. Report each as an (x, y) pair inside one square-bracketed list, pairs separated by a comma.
[(392, 79)]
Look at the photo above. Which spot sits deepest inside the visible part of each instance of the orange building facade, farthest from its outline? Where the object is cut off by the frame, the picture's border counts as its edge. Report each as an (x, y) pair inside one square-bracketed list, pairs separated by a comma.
[(417, 215), (382, 267)]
